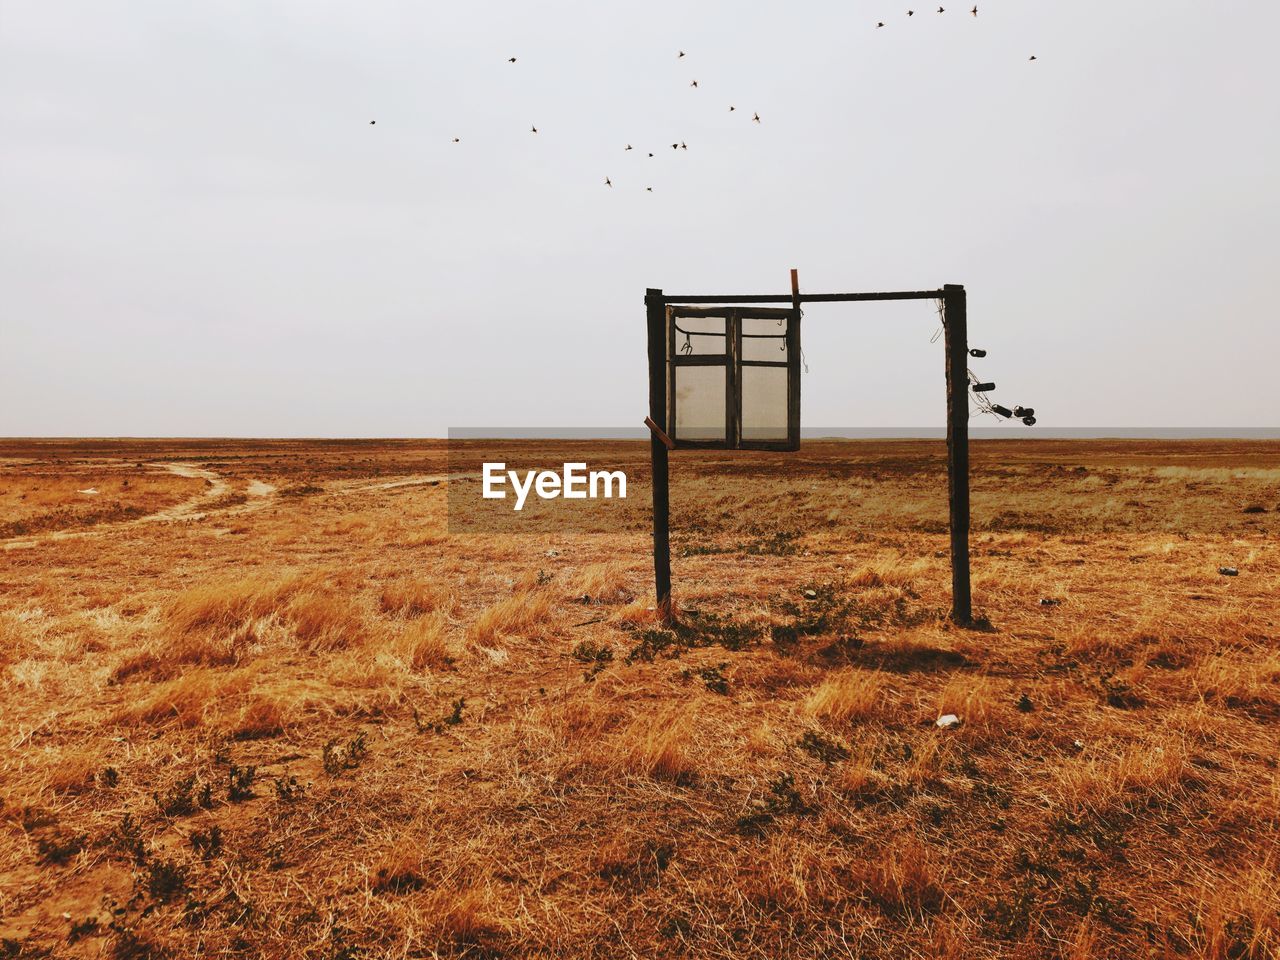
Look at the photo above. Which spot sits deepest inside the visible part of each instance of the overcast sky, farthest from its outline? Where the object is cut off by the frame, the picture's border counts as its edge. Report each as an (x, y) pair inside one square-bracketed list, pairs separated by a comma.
[(202, 234)]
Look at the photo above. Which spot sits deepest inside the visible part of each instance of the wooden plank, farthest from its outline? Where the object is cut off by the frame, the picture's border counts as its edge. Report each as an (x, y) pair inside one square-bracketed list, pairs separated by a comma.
[(659, 433), (733, 386), (793, 365), (808, 297), (956, 323), (656, 316)]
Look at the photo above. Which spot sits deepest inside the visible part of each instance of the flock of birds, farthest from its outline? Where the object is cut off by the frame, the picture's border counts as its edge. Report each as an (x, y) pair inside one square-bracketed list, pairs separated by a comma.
[(680, 55)]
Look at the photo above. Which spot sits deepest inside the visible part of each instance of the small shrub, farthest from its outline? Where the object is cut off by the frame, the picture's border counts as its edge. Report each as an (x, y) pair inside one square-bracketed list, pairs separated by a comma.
[(783, 799), (240, 783), (713, 678), (824, 748), (289, 789), (207, 843), (589, 651), (338, 757), (57, 845), (127, 838), (165, 879), (184, 797)]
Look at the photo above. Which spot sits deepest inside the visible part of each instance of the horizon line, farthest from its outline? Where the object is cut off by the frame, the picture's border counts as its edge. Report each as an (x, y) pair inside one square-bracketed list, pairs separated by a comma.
[(640, 433)]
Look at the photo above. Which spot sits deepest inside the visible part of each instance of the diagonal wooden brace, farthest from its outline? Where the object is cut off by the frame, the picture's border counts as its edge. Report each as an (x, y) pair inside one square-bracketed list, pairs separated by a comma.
[(659, 433)]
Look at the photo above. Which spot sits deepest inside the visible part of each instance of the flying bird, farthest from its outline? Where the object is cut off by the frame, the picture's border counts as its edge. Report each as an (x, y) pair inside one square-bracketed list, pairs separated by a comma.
[(680, 54), (456, 140), (608, 182), (1033, 56), (512, 60), (627, 147), (911, 13), (755, 118), (731, 109), (372, 122), (879, 24), (675, 146), (533, 129), (942, 10), (683, 147), (974, 11), (651, 154), (650, 189), (694, 84)]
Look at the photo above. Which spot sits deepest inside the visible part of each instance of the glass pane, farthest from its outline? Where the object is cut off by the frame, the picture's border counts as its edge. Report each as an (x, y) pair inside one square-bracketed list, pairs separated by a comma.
[(764, 339), (764, 402), (700, 336), (700, 403)]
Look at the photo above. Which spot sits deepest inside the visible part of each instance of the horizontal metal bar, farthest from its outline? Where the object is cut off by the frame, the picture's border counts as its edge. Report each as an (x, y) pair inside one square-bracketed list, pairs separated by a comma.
[(720, 312), (701, 360), (721, 333), (809, 297)]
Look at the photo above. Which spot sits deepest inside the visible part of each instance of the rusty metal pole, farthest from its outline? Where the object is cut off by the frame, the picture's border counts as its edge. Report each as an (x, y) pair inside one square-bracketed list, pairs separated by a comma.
[(656, 310), (956, 322)]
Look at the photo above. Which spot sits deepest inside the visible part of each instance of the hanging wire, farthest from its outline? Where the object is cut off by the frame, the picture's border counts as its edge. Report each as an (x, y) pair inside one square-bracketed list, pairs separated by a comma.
[(983, 404)]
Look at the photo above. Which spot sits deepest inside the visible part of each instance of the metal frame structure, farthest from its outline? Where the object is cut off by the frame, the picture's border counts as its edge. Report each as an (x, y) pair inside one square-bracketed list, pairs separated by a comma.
[(662, 309)]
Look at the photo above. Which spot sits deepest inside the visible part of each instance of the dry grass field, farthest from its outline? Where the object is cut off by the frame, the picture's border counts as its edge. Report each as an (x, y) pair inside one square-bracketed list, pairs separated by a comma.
[(256, 701)]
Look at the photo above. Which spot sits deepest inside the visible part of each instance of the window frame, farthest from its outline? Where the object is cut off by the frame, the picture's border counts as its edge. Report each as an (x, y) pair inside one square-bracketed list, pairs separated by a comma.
[(733, 363)]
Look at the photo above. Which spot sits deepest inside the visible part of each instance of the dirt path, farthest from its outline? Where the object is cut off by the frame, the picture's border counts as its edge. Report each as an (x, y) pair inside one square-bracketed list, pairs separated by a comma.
[(205, 504), (193, 508), (419, 480), (218, 487)]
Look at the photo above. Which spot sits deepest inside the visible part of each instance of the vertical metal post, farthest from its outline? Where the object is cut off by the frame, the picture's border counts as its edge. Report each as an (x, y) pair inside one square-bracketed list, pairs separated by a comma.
[(656, 310), (955, 322)]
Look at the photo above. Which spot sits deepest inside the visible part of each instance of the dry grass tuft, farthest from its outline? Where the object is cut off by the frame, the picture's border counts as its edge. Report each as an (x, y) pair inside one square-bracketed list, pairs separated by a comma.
[(227, 605), (1141, 774), (326, 620), (903, 880), (75, 772), (859, 778), (214, 624), (1238, 918), (849, 696), (263, 716), (603, 583), (1239, 683), (13, 640), (464, 918), (976, 700), (411, 598), (890, 572), (425, 644), (657, 745), (398, 871), (525, 612)]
